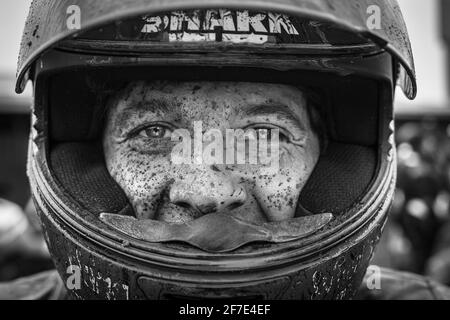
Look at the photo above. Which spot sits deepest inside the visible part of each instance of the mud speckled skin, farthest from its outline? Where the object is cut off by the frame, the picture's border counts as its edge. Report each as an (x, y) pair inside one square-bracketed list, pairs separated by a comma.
[(159, 189)]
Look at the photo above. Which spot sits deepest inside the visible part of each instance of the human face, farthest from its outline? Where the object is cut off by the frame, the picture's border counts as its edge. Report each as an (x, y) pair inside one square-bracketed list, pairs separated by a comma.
[(138, 150)]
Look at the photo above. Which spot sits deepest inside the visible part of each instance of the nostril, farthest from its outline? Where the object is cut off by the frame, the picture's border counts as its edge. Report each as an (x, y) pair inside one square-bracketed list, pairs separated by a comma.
[(200, 198), (207, 208), (183, 204), (235, 205)]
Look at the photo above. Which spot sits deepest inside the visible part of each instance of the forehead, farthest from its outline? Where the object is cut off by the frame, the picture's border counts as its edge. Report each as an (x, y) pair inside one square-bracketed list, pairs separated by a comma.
[(239, 94)]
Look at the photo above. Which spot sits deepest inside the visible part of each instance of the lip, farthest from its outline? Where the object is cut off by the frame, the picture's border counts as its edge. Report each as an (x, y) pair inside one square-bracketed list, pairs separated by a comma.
[(217, 233)]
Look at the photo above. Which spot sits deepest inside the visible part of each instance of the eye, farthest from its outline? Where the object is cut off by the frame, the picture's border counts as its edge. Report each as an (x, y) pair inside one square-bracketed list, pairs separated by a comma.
[(266, 131), (156, 132)]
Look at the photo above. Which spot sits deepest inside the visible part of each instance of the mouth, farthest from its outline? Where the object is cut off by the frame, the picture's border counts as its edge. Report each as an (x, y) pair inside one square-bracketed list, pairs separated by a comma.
[(217, 233)]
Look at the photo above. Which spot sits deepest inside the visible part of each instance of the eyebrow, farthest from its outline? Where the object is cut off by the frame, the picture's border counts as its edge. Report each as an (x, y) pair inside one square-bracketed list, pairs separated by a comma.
[(282, 111), (154, 106)]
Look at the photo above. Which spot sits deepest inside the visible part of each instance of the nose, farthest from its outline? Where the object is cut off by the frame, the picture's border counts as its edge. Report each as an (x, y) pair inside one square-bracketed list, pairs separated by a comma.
[(207, 191)]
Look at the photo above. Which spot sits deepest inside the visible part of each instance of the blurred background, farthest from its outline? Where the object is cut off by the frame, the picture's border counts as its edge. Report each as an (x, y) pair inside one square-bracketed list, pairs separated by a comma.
[(417, 237)]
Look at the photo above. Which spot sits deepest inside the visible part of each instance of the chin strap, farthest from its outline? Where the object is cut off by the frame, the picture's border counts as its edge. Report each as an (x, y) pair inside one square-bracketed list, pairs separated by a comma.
[(217, 233)]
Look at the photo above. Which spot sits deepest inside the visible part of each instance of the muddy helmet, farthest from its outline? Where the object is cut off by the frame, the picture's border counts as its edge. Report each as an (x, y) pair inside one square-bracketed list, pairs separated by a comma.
[(355, 52)]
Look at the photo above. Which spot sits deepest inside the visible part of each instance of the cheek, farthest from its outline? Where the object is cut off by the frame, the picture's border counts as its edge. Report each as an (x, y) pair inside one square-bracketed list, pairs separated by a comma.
[(142, 177), (278, 192)]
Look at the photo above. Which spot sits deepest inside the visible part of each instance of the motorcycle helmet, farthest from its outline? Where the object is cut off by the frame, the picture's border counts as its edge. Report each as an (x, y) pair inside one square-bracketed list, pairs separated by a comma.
[(75, 52)]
